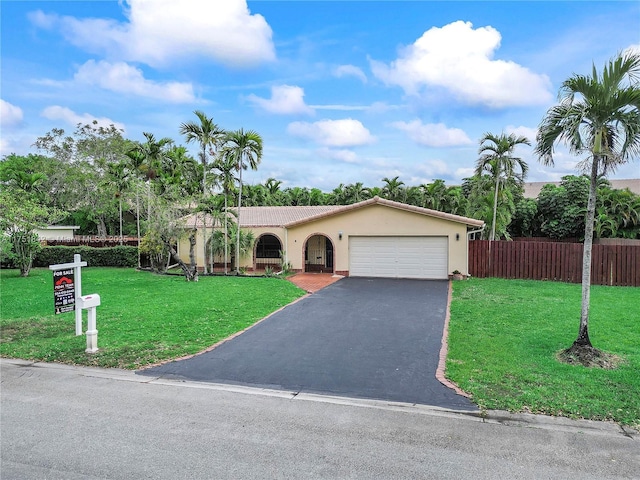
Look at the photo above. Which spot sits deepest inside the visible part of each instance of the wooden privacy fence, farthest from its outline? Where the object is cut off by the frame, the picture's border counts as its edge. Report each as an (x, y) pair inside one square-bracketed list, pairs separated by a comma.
[(610, 264)]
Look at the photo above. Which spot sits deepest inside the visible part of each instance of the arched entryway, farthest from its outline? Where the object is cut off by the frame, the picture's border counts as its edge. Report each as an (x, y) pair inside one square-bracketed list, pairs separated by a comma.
[(318, 254), (268, 252)]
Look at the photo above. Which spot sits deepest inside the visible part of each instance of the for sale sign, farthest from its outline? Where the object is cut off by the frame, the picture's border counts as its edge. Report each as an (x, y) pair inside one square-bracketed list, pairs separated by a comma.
[(64, 291)]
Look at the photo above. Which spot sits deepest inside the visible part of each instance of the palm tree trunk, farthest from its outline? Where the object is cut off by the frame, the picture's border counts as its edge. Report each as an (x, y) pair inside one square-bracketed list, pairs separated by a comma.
[(495, 211), (238, 221), (226, 243), (138, 222), (204, 240), (120, 213), (583, 333)]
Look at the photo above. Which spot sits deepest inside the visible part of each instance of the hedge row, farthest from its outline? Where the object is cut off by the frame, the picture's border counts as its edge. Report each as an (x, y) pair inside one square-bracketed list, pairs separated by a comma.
[(120, 256)]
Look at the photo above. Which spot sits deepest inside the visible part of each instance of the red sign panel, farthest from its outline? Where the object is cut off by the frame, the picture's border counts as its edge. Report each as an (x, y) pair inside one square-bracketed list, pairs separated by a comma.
[(64, 291)]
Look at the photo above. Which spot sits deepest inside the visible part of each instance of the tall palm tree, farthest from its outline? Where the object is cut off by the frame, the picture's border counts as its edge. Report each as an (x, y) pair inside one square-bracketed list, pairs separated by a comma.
[(225, 164), (246, 149), (208, 134), (598, 115), (496, 158), (118, 176)]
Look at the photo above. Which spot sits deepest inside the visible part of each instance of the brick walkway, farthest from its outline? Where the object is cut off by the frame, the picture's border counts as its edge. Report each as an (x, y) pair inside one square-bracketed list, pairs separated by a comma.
[(312, 282)]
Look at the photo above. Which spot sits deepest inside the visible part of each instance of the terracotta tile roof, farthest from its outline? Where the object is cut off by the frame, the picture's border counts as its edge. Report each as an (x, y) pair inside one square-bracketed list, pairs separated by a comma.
[(269, 216), (389, 203), (280, 216), (291, 216)]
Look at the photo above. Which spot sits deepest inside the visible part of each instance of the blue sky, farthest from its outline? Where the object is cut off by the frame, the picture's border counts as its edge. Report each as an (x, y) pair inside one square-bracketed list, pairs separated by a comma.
[(340, 91)]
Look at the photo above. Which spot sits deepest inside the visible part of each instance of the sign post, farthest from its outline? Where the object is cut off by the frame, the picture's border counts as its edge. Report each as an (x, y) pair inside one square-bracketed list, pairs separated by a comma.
[(67, 293)]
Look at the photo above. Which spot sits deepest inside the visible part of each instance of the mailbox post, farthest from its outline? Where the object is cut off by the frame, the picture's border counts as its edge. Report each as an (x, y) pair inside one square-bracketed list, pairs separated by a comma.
[(89, 303)]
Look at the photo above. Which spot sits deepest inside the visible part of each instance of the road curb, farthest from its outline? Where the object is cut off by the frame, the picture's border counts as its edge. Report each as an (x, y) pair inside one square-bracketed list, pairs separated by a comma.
[(496, 417)]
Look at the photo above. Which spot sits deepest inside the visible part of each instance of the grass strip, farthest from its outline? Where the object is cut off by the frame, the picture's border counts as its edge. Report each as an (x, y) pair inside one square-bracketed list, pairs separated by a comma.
[(505, 336)]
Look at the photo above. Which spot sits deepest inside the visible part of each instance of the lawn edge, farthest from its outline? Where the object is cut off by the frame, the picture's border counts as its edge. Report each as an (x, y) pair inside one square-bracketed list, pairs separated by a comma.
[(220, 342), (444, 349)]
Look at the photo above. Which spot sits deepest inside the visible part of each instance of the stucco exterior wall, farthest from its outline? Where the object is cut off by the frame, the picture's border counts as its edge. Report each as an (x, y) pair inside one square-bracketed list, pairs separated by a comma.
[(371, 220), (56, 232), (246, 261), (377, 220)]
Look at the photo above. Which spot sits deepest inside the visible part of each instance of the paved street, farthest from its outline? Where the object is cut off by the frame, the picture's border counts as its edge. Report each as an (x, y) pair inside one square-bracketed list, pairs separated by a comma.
[(60, 422)]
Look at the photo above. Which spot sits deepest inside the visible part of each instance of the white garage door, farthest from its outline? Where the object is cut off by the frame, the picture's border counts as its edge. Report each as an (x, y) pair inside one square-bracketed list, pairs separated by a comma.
[(398, 257)]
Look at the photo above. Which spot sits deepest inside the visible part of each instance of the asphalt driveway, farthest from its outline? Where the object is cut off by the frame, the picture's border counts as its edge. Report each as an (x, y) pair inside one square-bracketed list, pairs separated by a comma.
[(360, 337)]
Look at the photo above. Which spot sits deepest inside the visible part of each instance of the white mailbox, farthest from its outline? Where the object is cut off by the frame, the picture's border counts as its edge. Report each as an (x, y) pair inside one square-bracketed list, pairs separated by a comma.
[(89, 301)]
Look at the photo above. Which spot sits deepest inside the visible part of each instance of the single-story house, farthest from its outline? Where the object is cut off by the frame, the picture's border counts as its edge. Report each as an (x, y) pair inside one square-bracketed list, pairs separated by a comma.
[(56, 232), (372, 238)]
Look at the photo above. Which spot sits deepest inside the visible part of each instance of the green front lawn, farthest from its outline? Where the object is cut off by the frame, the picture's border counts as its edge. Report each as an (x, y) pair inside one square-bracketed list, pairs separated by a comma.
[(505, 334), (143, 319)]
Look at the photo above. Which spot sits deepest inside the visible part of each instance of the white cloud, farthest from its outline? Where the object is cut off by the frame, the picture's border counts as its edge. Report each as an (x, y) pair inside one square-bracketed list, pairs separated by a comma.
[(123, 78), (333, 133), (342, 108), (375, 107), (285, 100), (10, 115), (56, 112), (466, 172), (527, 132), (433, 168), (459, 59), (433, 134), (343, 155), (158, 32), (350, 71)]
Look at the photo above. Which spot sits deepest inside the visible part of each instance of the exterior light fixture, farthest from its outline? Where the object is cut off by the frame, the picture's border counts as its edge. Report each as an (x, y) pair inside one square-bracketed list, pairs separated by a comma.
[(457, 237), (339, 235)]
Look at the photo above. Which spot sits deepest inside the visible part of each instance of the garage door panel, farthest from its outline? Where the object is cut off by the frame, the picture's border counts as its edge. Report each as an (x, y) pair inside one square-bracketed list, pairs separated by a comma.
[(399, 257)]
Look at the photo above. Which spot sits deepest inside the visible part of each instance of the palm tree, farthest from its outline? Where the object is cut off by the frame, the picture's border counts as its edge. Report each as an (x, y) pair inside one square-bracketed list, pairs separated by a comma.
[(356, 192), (274, 194), (598, 115), (246, 149), (208, 134), (496, 158), (118, 176), (225, 165), (434, 194), (393, 189)]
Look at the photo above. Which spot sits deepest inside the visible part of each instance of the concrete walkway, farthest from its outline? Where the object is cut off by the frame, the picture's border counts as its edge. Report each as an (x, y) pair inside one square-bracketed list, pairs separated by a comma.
[(312, 282)]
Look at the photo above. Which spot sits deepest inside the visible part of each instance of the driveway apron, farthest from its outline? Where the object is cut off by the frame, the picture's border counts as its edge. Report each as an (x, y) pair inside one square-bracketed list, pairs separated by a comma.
[(359, 337)]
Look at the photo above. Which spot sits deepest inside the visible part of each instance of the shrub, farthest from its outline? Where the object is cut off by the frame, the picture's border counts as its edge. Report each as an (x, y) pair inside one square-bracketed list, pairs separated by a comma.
[(120, 256)]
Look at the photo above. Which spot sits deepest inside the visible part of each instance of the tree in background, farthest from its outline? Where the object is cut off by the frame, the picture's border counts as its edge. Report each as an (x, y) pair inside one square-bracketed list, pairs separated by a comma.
[(598, 116), (86, 156), (562, 208), (245, 148), (208, 135), (22, 214), (497, 159), (393, 189), (225, 166)]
